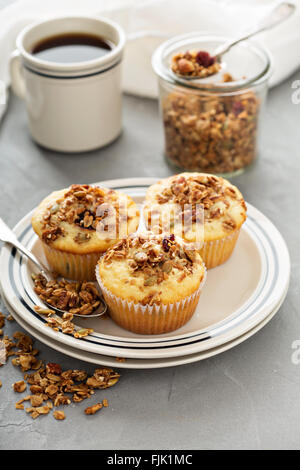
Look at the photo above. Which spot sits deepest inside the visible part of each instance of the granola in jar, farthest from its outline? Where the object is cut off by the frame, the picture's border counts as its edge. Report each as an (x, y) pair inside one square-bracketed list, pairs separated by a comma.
[(211, 134), (211, 123)]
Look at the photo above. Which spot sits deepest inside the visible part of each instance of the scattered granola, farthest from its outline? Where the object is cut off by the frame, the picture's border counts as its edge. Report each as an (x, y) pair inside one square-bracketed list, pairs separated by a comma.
[(214, 134), (195, 64), (2, 320), (120, 359), (51, 386), (80, 297), (64, 324)]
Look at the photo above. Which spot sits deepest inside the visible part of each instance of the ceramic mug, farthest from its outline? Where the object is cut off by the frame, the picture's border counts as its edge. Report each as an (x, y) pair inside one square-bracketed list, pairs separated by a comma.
[(72, 107)]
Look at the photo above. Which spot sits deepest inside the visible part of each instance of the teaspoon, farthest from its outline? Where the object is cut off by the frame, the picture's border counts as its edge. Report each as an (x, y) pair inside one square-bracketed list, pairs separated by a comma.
[(8, 236)]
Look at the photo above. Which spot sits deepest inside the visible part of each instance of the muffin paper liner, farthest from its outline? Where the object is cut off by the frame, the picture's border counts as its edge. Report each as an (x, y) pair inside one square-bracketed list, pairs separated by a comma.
[(216, 252), (150, 319), (80, 267)]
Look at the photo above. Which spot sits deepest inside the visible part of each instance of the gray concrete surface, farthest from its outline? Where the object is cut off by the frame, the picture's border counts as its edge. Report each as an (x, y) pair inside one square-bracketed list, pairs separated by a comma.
[(247, 397)]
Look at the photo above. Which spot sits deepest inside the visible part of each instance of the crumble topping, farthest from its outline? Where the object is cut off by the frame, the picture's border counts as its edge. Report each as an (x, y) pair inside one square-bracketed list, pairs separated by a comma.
[(79, 206), (154, 258), (195, 64), (209, 191)]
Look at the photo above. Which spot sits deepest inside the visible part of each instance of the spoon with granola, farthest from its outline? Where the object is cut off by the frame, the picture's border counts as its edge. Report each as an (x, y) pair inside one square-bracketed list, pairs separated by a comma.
[(194, 65), (81, 299)]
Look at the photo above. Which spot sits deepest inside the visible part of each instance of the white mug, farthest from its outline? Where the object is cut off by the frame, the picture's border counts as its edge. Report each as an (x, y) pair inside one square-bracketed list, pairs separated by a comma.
[(72, 107)]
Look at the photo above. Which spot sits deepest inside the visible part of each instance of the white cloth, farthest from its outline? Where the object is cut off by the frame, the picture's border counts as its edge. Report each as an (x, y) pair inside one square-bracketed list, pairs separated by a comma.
[(149, 22)]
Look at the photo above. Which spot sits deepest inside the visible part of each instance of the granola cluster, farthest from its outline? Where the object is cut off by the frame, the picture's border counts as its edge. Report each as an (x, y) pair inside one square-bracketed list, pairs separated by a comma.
[(80, 206), (214, 134), (207, 190), (49, 385), (63, 324), (195, 64), (155, 258), (81, 298)]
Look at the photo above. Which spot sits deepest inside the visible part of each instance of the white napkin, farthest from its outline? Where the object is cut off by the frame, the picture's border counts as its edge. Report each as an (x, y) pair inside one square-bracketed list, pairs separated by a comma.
[(149, 22)]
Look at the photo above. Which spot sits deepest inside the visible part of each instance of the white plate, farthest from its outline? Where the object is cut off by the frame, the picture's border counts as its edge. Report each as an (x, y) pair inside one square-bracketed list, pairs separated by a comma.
[(237, 296), (136, 363)]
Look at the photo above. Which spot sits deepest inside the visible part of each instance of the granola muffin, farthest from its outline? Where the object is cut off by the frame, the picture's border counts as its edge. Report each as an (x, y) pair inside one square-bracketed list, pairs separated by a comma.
[(151, 283), (214, 211), (78, 224)]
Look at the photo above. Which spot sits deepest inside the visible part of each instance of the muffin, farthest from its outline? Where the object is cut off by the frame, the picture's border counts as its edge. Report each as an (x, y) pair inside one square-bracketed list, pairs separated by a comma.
[(214, 211), (151, 283), (78, 224)]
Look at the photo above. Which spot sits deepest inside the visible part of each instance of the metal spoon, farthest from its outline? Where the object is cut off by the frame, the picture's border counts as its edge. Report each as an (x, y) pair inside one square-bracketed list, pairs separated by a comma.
[(280, 13), (8, 236)]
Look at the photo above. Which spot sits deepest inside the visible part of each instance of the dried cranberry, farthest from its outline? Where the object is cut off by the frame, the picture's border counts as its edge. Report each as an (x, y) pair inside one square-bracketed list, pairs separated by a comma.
[(53, 368), (166, 244), (205, 59), (181, 179), (237, 108)]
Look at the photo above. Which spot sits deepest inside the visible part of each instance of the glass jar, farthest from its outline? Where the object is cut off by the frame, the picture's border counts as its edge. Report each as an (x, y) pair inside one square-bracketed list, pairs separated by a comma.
[(212, 124)]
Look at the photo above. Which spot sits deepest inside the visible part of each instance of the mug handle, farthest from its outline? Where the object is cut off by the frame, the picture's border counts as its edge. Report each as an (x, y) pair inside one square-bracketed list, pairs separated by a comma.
[(17, 79)]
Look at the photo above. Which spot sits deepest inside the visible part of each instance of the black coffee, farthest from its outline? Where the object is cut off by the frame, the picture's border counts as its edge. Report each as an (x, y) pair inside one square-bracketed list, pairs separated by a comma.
[(72, 47)]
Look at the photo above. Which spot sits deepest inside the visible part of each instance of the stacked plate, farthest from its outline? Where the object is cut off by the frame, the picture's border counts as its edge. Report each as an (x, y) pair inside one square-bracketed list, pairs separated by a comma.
[(238, 299)]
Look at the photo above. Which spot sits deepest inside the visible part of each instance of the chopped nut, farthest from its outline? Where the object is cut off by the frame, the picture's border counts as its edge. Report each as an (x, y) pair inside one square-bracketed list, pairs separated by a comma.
[(185, 67), (83, 332), (140, 257), (19, 406), (19, 386), (59, 415), (120, 359), (43, 410), (36, 400), (91, 410)]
